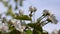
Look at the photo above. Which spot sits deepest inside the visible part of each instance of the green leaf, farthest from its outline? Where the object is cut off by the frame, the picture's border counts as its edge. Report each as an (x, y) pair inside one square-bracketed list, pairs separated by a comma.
[(29, 31), (15, 32), (36, 32), (23, 17), (31, 25), (35, 26)]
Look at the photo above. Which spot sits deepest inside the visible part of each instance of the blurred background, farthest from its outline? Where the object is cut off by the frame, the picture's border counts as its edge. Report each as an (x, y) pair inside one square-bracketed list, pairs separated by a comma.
[(52, 5)]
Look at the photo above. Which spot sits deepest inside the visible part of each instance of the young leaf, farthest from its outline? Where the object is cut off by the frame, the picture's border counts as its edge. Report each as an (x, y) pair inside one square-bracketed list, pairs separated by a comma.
[(23, 17)]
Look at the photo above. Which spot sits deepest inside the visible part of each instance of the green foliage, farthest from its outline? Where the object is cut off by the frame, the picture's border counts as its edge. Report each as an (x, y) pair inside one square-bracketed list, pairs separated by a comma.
[(0, 32), (36, 32), (31, 25), (14, 32), (29, 31), (23, 17), (35, 27)]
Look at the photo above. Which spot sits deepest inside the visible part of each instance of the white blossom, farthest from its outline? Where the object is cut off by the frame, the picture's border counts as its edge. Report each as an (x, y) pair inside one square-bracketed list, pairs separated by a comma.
[(53, 19), (4, 27), (32, 9), (46, 12)]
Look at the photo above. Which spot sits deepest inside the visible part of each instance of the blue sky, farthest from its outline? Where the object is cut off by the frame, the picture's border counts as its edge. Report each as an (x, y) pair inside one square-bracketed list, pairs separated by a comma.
[(52, 5)]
